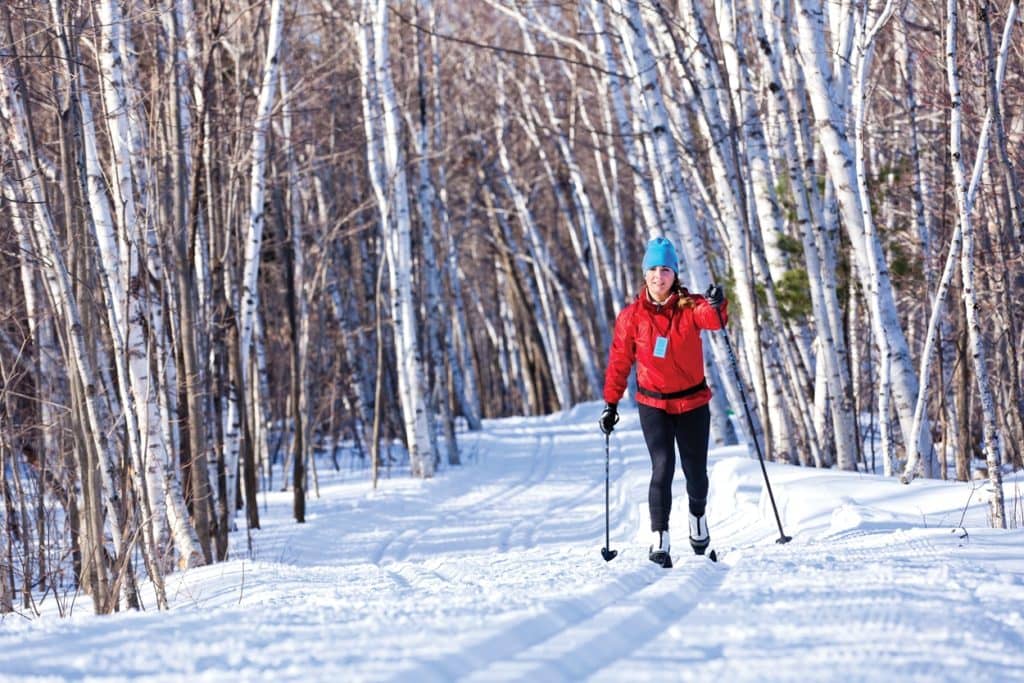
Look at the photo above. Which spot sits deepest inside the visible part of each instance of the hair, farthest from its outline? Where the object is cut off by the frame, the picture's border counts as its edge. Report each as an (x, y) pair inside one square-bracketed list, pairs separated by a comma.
[(685, 300)]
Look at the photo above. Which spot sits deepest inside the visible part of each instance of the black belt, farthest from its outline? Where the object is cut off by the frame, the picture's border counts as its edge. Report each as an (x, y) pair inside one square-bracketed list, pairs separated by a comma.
[(675, 394)]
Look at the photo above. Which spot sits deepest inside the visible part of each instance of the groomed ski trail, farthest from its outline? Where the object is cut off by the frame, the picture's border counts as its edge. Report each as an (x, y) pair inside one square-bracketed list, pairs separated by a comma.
[(493, 571)]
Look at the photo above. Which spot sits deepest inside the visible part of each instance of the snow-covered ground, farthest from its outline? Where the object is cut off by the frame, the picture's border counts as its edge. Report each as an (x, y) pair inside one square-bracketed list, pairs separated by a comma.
[(493, 571)]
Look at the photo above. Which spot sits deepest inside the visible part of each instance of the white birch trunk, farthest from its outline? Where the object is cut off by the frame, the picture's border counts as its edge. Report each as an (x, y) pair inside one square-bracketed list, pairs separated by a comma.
[(643, 189), (1011, 182), (6, 560), (822, 399), (259, 394), (884, 408), (842, 16), (757, 187), (464, 378), (426, 196), (823, 219), (869, 259), (974, 332), (257, 184), (374, 152), (906, 60), (754, 142), (396, 223), (129, 288), (146, 331), (830, 366), (300, 285), (938, 301), (252, 245), (231, 425), (866, 31), (40, 325), (201, 262), (57, 282), (131, 364)]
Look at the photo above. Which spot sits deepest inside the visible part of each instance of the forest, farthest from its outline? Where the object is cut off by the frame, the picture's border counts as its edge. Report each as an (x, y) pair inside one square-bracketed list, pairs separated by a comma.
[(237, 239)]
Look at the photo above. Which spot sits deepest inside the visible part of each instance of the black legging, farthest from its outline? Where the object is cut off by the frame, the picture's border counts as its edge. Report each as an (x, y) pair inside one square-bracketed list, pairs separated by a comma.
[(662, 432)]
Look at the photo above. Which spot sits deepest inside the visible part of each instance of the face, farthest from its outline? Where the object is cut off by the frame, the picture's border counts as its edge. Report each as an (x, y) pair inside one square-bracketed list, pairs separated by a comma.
[(659, 282)]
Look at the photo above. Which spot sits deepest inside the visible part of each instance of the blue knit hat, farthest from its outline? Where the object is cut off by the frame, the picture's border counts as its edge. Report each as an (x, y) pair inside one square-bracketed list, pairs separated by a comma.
[(660, 252)]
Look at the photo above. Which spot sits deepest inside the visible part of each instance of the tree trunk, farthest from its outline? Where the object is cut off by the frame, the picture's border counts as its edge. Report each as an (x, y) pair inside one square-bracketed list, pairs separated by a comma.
[(867, 250), (254, 239), (393, 204), (974, 332)]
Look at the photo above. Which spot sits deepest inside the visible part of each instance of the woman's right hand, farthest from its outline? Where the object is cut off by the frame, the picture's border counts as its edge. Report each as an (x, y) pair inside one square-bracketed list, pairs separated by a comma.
[(609, 417)]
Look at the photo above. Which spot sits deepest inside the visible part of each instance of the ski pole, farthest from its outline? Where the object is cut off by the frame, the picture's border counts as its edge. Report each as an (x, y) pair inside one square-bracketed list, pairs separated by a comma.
[(783, 538), (606, 552)]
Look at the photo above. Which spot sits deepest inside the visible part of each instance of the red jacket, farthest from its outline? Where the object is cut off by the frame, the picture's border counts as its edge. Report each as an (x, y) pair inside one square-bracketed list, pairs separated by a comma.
[(681, 365)]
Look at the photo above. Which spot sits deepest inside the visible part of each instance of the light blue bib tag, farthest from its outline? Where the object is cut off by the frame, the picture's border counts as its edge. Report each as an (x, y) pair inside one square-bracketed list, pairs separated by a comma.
[(660, 347)]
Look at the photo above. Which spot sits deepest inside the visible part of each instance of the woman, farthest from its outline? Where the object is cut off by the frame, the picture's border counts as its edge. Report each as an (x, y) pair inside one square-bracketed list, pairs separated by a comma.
[(660, 332)]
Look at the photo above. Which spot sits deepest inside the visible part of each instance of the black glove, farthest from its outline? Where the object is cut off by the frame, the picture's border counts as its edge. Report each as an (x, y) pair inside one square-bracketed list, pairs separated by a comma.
[(715, 295), (609, 417)]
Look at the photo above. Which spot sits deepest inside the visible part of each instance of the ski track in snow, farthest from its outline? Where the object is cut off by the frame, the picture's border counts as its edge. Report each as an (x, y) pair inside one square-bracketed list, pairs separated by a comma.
[(492, 572)]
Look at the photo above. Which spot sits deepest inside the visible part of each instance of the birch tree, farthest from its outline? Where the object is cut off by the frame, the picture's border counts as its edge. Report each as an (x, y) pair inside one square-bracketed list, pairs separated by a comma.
[(94, 455), (254, 233), (977, 343), (955, 252), (391, 187), (866, 249)]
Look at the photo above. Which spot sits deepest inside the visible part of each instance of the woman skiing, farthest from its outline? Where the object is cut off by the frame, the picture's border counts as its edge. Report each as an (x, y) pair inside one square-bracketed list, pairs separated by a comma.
[(660, 332)]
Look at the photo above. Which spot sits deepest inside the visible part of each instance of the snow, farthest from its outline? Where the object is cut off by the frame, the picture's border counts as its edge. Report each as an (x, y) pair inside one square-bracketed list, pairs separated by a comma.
[(493, 571)]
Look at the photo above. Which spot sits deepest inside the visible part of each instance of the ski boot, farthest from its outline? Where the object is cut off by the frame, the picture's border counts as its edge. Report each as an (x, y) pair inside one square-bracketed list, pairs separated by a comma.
[(700, 539), (659, 549)]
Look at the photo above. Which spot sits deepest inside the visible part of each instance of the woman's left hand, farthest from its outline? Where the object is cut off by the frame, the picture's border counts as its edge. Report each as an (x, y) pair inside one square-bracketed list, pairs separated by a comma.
[(715, 295)]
